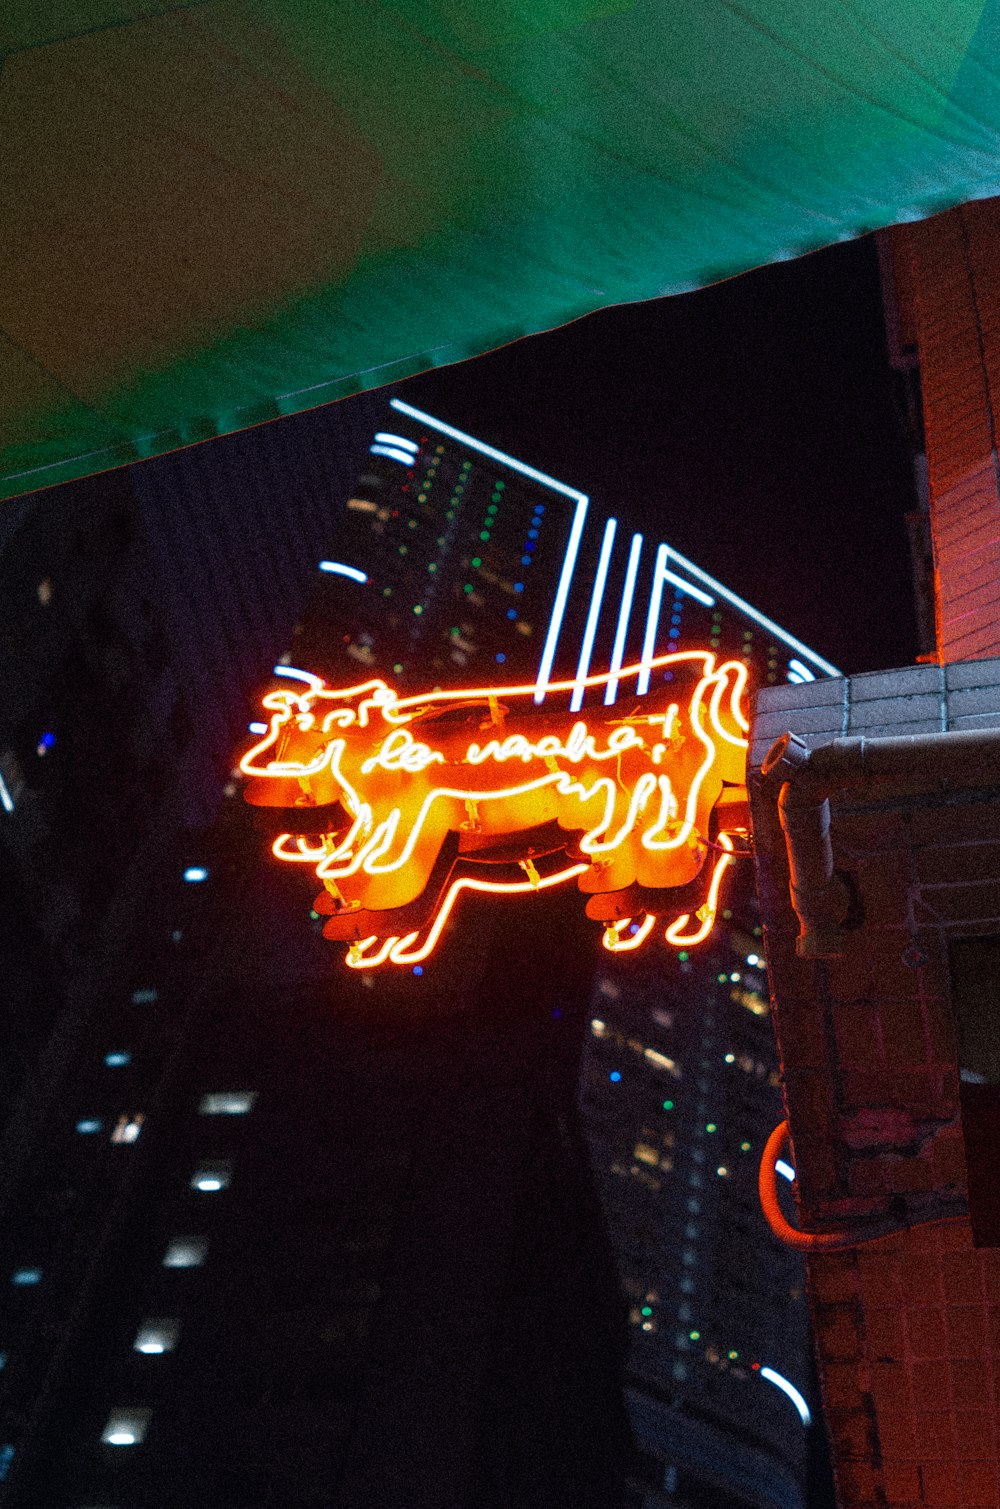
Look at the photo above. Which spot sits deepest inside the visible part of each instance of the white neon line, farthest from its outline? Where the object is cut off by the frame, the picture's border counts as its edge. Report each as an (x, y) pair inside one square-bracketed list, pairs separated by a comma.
[(624, 613), (405, 457), (652, 620), (315, 682), (257, 728), (384, 438), (684, 586), (802, 671), (762, 619), (5, 797), (596, 598), (339, 569), (562, 593), (487, 450), (785, 1169), (791, 1391), (795, 680)]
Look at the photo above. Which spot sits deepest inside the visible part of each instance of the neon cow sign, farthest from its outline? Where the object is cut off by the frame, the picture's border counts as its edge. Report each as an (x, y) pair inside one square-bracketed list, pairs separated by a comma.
[(398, 804)]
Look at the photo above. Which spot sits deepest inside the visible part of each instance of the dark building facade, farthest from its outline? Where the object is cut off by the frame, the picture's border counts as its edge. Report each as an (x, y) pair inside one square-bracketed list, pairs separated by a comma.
[(280, 1233)]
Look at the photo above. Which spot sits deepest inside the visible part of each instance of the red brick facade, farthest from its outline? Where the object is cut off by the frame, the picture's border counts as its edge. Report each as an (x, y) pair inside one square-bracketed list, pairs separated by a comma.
[(908, 1327)]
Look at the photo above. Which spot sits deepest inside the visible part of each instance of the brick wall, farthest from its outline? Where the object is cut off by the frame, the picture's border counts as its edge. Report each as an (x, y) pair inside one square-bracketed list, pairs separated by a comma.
[(908, 1329), (950, 267)]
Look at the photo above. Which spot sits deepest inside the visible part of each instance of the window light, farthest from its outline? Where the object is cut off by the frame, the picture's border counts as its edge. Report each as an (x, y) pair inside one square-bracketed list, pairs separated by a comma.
[(88, 1125), (155, 1337), (119, 1059), (145, 996), (126, 1427), (24, 1278), (127, 1128), (185, 1252), (228, 1103), (211, 1177)]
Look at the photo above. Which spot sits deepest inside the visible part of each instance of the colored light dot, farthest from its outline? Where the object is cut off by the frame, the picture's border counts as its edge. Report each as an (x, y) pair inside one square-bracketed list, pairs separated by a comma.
[(511, 612), (418, 969), (721, 979), (501, 486), (314, 916), (467, 587), (432, 566), (484, 534), (532, 534), (633, 928), (744, 1147), (647, 1310), (386, 591), (683, 956), (477, 560), (736, 977), (710, 1126), (614, 1076), (397, 668), (492, 508), (501, 657), (733, 1356), (722, 1171), (668, 1105), (730, 1058), (417, 609), (518, 586), (695, 1335), (526, 560), (755, 1367)]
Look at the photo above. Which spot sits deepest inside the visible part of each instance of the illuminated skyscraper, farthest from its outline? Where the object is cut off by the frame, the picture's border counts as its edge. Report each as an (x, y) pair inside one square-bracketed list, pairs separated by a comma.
[(493, 572)]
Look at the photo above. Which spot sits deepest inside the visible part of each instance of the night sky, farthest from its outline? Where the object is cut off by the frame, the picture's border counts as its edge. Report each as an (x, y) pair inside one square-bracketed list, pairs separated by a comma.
[(756, 425)]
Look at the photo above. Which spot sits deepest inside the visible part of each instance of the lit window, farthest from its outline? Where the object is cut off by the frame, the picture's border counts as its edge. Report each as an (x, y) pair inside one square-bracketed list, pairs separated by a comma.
[(195, 873), (24, 1278), (186, 1252), (144, 996), (119, 1059), (155, 1337), (646, 1154), (127, 1128), (228, 1103), (211, 1177), (44, 590), (126, 1427), (7, 1454), (88, 1125), (659, 1060)]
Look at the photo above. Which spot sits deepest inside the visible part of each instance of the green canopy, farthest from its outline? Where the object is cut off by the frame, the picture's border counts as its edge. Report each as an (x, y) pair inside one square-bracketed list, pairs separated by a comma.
[(218, 212)]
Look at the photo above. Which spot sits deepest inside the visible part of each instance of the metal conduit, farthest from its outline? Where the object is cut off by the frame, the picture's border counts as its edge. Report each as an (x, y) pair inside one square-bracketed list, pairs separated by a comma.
[(927, 762)]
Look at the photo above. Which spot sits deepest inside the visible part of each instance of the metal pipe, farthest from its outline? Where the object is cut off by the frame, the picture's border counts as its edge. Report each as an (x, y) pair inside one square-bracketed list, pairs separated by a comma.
[(939, 761)]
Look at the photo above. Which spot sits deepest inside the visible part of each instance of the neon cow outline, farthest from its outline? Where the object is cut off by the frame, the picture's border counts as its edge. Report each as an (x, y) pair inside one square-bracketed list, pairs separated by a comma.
[(354, 774)]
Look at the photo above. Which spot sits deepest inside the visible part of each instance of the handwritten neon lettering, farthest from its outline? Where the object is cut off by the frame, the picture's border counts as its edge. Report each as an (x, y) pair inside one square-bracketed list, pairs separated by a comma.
[(627, 796)]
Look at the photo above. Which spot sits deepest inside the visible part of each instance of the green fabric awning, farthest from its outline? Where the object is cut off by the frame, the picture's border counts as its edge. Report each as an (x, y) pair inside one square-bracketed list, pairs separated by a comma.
[(215, 213)]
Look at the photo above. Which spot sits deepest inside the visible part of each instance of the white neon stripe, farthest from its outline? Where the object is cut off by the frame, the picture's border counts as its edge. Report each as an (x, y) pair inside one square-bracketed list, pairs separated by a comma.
[(315, 682), (684, 586), (488, 450), (5, 797), (405, 457), (624, 614), (762, 619), (791, 1391), (802, 671), (596, 598), (795, 680), (384, 438), (562, 593), (339, 569), (257, 728), (652, 620), (785, 1169)]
